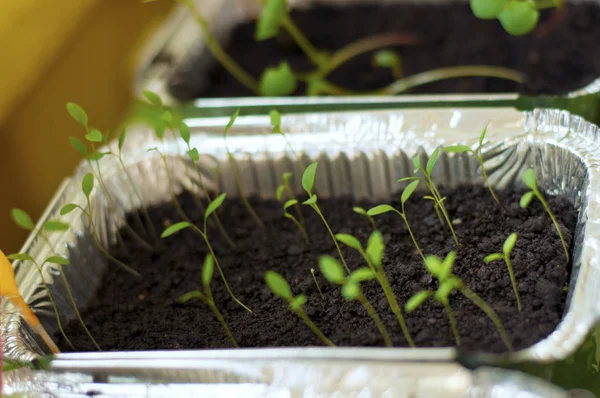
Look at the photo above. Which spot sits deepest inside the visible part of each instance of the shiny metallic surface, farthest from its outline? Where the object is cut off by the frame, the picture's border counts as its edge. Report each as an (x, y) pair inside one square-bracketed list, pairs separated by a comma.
[(364, 154)]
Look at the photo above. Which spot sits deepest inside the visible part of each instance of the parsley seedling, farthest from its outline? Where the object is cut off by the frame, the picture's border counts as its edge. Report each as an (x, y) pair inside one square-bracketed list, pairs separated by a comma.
[(285, 188), (507, 248), (312, 272), (363, 212), (207, 298), (286, 214), (388, 59)]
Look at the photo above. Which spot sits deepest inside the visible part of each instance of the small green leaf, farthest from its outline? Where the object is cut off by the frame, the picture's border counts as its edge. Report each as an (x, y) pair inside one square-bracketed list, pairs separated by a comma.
[(432, 161), (214, 205), (208, 270), (232, 120), (529, 179), (289, 204), (308, 178), (493, 257), (159, 131), (417, 162), (482, 136), (55, 225), (350, 291), (434, 266), (279, 192), (77, 113), (278, 81), (79, 146), (269, 22), (361, 275), (175, 228), (122, 137), (487, 9), (275, 118), (298, 302), (96, 156), (519, 17), (167, 117), (415, 301), (191, 295), (331, 269), (57, 260), (360, 210), (444, 291), (526, 199), (457, 149), (278, 285), (509, 244), (87, 184), (375, 248), (184, 131), (94, 136), (408, 191), (388, 59), (193, 154), (286, 177), (447, 265), (153, 98), (380, 209), (20, 257), (66, 209), (349, 240), (310, 201), (22, 219)]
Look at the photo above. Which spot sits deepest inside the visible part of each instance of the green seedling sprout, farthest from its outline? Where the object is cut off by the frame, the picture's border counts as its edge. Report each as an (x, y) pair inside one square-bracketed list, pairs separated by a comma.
[(308, 181), (312, 272), (280, 288), (194, 155), (373, 256), (507, 248), (207, 298), (531, 183), (286, 214), (211, 208), (435, 194), (276, 122), (381, 209), (363, 212), (87, 185), (390, 60), (478, 156), (333, 272), (285, 188), (442, 271), (236, 172)]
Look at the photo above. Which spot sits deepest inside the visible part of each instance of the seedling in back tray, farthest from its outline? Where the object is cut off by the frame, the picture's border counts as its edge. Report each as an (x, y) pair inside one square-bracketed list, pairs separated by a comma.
[(530, 181), (308, 181), (388, 59), (507, 248), (286, 214), (276, 122), (381, 209), (363, 212), (373, 256), (332, 270), (207, 298), (211, 208), (281, 289)]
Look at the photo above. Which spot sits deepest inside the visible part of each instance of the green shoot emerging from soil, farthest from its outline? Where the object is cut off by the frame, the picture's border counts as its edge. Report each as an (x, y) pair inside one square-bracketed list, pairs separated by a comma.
[(281, 289), (286, 214), (312, 272), (308, 182), (236, 172), (332, 270), (478, 156), (507, 248), (211, 208), (373, 256), (286, 188), (435, 196), (87, 185), (381, 209), (363, 212), (442, 271), (206, 296), (530, 181)]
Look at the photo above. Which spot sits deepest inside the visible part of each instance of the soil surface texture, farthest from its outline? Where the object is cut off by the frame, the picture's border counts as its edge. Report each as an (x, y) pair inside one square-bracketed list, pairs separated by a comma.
[(130, 314), (562, 55)]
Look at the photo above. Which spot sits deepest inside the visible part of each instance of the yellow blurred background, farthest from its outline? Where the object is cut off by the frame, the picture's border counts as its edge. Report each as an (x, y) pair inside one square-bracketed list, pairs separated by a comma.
[(53, 52)]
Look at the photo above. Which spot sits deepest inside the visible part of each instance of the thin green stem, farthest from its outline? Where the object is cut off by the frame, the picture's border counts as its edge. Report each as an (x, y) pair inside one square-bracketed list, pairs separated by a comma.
[(238, 182), (513, 280), (562, 239), (315, 56), (312, 271), (485, 178), (373, 314), (313, 327), (478, 301), (412, 236), (215, 310), (296, 206), (372, 221), (300, 227), (452, 322), (440, 202), (337, 246)]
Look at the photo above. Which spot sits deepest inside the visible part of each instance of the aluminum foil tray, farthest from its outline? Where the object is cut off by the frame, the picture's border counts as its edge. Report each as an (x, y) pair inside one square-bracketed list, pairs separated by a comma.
[(364, 153), (178, 47)]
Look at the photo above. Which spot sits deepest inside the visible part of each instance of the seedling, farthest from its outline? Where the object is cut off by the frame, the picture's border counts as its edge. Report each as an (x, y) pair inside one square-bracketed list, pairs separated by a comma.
[(373, 256), (207, 298), (435, 196), (448, 282), (308, 181), (276, 122), (530, 181), (236, 172), (363, 212), (281, 289), (285, 188), (211, 208), (351, 290), (388, 59), (507, 248), (312, 272), (381, 209), (478, 156), (87, 185), (286, 214)]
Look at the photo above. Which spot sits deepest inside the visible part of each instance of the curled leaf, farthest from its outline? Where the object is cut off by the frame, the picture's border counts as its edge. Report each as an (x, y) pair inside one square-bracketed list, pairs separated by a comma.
[(278, 285), (289, 204), (22, 219), (122, 137), (388, 59), (432, 161), (193, 154), (444, 291), (310, 201), (153, 98), (492, 257), (331, 269), (509, 244), (94, 136), (286, 177), (175, 228), (447, 265), (191, 295), (184, 131), (416, 300), (232, 120), (482, 136), (298, 302), (214, 205), (278, 81), (361, 275)]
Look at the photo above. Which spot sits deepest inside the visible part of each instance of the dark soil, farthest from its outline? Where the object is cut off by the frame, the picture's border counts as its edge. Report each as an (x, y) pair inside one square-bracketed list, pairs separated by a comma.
[(131, 314), (560, 60)]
